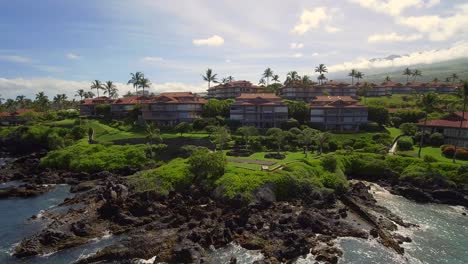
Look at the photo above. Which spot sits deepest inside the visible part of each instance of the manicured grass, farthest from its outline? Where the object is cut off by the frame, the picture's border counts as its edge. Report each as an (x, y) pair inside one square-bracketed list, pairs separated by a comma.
[(200, 134), (394, 101), (234, 165), (64, 123), (394, 132), (434, 152)]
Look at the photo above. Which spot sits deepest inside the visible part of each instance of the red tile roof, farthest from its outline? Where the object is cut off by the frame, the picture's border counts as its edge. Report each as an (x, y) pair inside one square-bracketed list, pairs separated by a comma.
[(131, 100), (16, 113), (258, 96), (177, 98), (240, 83), (452, 121)]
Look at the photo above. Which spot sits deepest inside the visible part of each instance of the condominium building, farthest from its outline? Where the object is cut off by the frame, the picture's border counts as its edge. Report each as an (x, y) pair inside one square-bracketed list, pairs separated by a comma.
[(88, 106), (337, 113), (450, 127), (233, 89), (333, 88), (173, 108), (295, 90), (123, 106), (262, 110)]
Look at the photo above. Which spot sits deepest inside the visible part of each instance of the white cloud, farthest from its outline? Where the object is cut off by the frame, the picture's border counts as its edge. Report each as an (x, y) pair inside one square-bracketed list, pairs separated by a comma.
[(315, 54), (297, 55), (439, 28), (457, 51), (15, 59), (178, 87), (432, 3), (393, 37), (390, 7), (295, 45), (331, 29), (73, 56), (310, 19), (214, 41), (228, 61), (150, 59)]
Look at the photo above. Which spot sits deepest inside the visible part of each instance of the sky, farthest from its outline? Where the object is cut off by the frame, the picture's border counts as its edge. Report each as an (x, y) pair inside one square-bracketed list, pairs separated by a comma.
[(59, 46)]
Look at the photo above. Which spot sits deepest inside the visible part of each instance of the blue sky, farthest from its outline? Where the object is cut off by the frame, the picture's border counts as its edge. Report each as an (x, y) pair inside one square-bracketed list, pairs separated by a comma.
[(61, 45)]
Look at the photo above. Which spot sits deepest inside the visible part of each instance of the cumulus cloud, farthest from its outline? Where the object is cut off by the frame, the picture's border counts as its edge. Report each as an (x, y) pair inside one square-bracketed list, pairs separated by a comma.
[(439, 28), (393, 7), (73, 56), (10, 88), (331, 29), (15, 59), (213, 41), (296, 45), (311, 19), (457, 51), (392, 37), (150, 59)]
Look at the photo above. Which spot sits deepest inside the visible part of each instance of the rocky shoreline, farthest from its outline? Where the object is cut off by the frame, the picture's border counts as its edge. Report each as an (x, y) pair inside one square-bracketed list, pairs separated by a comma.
[(180, 227)]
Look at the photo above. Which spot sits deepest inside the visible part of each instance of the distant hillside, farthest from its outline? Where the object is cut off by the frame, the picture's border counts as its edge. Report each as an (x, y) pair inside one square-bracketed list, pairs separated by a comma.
[(440, 70)]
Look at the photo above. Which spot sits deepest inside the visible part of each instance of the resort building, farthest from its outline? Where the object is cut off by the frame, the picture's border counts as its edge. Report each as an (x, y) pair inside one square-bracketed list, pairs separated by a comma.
[(233, 89), (263, 110), (295, 90), (333, 88), (449, 127), (88, 106), (123, 106), (173, 108), (337, 113), (14, 118)]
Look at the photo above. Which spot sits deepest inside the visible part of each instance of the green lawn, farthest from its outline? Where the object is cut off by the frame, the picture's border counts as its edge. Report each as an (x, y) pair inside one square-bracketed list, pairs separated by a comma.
[(430, 151), (394, 101), (394, 132)]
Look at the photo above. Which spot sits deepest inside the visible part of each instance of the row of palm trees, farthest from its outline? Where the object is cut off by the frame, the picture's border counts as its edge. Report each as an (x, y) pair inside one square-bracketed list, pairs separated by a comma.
[(355, 74), (40, 103)]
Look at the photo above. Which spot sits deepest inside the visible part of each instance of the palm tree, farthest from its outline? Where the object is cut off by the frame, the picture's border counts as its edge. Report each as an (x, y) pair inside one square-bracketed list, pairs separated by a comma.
[(415, 74), (89, 94), (210, 77), (359, 75), (81, 93), (268, 73), (408, 72), (96, 85), (230, 78), (109, 88), (435, 80), (306, 138), (427, 103), (387, 79), (321, 78), (152, 133), (275, 78), (42, 101), (322, 138), (262, 82), (144, 83), (321, 69), (454, 77), (20, 100), (465, 95), (60, 100), (352, 74), (224, 80), (306, 81), (447, 80), (135, 80)]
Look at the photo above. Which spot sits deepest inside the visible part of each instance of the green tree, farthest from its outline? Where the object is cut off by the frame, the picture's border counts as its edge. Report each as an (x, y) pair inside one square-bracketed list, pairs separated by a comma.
[(81, 93), (408, 72), (59, 100), (96, 84), (416, 73), (427, 103), (267, 74), (206, 166), (275, 78), (247, 132), (210, 77), (453, 78), (153, 134), (89, 94), (321, 78), (110, 89), (322, 138), (306, 138), (435, 80), (135, 80), (277, 137), (409, 129), (459, 132), (352, 74), (321, 69), (298, 110), (378, 114), (144, 83), (291, 77), (42, 102), (216, 107), (388, 79), (221, 137), (182, 127), (359, 75)]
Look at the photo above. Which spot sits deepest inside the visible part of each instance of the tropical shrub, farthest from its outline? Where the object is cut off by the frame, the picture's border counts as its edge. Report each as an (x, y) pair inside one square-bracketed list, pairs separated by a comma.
[(436, 139), (329, 163), (405, 143), (206, 166), (408, 129)]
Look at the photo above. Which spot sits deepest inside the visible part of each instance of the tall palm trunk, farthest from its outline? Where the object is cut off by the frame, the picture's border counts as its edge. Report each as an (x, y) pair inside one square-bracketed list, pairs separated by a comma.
[(422, 136), (459, 130)]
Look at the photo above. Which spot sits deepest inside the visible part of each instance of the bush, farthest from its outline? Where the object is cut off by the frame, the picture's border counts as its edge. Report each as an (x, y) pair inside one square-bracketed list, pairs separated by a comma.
[(405, 143), (429, 159), (206, 166), (448, 151), (78, 132), (103, 110), (409, 129), (437, 139), (329, 163)]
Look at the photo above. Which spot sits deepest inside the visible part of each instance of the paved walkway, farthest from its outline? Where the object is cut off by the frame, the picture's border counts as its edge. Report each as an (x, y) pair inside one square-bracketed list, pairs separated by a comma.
[(252, 161)]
